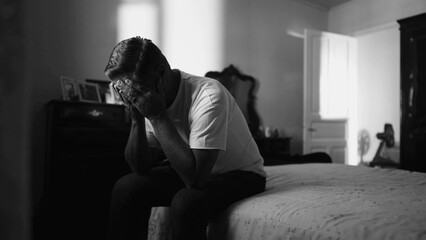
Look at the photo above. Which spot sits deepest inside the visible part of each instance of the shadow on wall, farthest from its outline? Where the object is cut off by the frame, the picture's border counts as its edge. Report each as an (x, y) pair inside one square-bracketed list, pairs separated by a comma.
[(14, 130)]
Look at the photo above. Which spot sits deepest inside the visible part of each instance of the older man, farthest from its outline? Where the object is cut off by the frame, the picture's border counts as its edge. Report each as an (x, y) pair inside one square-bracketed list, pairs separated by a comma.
[(213, 158)]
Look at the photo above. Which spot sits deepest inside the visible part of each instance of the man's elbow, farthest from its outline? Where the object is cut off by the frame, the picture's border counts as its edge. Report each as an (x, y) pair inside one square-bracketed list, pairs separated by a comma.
[(139, 165)]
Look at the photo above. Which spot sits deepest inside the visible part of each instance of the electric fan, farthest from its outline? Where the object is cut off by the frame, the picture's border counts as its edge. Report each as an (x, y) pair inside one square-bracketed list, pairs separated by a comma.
[(382, 158)]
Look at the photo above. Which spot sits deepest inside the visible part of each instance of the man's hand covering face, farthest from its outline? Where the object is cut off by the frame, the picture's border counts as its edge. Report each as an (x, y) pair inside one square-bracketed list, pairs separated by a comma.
[(148, 102)]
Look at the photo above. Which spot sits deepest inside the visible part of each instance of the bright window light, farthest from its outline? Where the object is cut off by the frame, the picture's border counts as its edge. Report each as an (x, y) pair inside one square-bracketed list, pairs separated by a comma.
[(333, 81), (138, 18), (193, 34)]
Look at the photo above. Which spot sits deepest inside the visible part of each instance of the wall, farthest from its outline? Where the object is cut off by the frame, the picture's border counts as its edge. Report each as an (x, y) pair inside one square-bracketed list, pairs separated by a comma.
[(70, 38), (265, 39), (15, 210), (373, 23), (359, 15), (378, 83), (192, 34)]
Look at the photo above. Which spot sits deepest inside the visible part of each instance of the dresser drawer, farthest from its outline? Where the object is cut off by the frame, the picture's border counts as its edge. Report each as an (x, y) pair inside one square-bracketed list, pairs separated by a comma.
[(100, 136), (78, 112)]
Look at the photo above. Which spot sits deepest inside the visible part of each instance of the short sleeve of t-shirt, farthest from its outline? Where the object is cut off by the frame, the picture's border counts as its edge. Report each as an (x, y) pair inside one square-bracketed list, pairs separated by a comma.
[(209, 121)]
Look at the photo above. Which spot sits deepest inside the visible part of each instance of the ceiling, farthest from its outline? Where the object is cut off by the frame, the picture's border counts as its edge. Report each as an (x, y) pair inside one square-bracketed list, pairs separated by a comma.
[(327, 4)]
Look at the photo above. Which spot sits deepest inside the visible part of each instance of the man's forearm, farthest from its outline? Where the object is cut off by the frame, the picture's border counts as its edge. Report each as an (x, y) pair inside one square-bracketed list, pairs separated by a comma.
[(137, 153), (177, 151)]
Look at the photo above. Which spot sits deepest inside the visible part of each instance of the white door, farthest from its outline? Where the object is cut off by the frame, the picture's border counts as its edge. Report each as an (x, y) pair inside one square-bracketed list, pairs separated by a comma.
[(330, 95)]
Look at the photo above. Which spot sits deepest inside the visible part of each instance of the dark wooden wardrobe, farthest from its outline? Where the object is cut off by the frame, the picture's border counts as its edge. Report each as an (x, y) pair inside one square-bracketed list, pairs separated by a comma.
[(413, 93)]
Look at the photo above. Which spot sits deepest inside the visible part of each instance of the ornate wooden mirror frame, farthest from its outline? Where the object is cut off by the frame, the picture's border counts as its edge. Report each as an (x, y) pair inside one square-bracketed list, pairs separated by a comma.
[(242, 87)]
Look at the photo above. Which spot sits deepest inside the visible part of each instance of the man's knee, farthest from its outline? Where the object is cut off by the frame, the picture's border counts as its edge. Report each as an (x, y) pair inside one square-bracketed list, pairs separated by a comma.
[(187, 218), (128, 185), (186, 201)]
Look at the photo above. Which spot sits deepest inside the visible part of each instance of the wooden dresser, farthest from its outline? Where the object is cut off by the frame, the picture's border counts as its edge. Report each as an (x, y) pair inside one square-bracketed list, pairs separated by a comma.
[(85, 156)]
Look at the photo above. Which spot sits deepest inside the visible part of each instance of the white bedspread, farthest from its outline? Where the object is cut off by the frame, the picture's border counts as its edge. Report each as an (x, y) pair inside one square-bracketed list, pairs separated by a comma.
[(329, 201)]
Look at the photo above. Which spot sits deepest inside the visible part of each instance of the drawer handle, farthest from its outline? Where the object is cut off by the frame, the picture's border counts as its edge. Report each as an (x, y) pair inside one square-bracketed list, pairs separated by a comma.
[(95, 113), (411, 96)]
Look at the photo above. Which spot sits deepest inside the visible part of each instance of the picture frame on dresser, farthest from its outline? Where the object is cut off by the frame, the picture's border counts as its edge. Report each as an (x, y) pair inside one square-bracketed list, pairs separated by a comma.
[(69, 89), (104, 89), (88, 92)]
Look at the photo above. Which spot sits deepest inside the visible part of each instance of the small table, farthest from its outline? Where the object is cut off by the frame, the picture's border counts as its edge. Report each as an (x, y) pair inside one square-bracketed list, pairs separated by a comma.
[(274, 151)]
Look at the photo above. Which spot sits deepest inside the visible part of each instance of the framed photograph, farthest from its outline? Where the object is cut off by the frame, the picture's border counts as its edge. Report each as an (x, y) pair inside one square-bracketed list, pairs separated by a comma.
[(69, 89), (88, 92), (104, 90)]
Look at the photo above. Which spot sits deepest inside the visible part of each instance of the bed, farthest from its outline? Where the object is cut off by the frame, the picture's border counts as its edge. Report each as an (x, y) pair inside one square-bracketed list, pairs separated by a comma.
[(322, 201)]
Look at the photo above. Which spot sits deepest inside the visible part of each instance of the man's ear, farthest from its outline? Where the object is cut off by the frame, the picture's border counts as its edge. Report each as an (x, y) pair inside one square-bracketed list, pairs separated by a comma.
[(160, 70), (158, 80), (157, 83)]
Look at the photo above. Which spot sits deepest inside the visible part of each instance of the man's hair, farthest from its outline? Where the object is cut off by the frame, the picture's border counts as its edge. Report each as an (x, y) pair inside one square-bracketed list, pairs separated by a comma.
[(133, 57)]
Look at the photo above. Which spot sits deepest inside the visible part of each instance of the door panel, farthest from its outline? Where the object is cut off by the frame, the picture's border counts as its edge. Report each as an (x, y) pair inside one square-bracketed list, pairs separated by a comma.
[(329, 130)]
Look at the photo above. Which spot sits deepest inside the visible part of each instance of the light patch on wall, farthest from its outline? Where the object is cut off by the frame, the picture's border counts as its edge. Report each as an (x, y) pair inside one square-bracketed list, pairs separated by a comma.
[(193, 34), (139, 18), (296, 34), (379, 82)]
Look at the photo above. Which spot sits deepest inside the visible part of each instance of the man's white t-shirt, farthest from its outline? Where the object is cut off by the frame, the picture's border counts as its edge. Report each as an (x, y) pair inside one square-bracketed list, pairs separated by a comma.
[(207, 116)]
